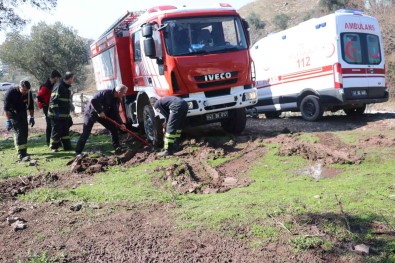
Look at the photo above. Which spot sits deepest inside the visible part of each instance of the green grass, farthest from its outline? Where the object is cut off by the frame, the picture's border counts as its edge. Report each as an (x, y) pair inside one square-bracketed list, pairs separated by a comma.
[(277, 193), (47, 161)]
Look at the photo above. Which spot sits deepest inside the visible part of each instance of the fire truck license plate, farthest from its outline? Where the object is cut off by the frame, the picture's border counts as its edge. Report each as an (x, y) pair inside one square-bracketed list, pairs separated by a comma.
[(360, 92), (217, 115)]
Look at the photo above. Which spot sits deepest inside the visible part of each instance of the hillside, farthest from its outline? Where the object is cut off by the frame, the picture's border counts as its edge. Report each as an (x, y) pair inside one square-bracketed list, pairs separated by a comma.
[(292, 12)]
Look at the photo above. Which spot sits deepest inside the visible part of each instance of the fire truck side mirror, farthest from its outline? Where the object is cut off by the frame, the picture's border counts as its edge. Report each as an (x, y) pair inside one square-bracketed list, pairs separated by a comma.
[(147, 30), (149, 47), (247, 30)]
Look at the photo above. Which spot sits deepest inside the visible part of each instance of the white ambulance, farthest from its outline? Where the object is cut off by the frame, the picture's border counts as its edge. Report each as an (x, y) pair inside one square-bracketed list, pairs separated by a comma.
[(328, 63)]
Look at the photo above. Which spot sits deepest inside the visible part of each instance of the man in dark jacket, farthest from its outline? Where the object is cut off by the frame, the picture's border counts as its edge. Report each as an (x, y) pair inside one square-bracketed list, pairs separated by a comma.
[(17, 101), (104, 104), (59, 113), (43, 98), (174, 109)]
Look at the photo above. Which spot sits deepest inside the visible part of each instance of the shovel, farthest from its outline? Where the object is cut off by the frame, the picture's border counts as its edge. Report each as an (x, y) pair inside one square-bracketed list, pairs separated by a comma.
[(145, 142)]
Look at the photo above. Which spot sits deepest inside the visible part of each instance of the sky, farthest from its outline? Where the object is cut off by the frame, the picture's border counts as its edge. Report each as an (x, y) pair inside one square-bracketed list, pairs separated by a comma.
[(92, 17)]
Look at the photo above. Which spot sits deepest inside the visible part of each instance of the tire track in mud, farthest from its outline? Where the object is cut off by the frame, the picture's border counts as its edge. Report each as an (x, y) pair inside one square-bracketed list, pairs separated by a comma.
[(194, 174)]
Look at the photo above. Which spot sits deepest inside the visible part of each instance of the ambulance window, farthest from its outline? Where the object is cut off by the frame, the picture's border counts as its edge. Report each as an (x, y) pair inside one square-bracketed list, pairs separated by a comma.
[(351, 48), (136, 46), (373, 44)]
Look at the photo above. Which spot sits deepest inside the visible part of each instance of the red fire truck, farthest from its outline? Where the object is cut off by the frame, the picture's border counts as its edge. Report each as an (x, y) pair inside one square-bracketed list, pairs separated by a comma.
[(199, 54)]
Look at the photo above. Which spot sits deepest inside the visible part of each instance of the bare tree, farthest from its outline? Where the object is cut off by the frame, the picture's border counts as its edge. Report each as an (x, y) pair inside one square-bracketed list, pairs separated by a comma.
[(9, 17)]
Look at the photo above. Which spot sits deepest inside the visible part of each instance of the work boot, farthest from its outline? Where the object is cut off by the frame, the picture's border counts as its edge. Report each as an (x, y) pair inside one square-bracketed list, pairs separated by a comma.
[(54, 146), (67, 145), (168, 151), (176, 145), (164, 153), (23, 156), (119, 150)]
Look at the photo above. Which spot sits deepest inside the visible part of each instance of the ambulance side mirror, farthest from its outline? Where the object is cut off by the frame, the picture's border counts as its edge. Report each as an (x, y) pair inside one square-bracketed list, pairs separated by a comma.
[(247, 30)]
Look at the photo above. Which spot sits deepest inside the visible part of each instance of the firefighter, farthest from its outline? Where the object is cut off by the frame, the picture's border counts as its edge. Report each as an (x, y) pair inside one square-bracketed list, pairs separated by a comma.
[(17, 101), (59, 113), (104, 104), (43, 97), (174, 109)]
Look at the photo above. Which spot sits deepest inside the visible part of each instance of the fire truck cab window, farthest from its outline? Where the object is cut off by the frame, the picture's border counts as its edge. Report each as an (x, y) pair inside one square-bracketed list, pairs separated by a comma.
[(136, 46), (189, 36)]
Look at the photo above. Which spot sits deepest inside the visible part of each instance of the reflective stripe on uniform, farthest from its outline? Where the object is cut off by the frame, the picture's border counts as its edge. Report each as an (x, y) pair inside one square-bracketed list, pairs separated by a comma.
[(21, 147), (62, 99), (66, 138), (168, 135), (178, 134), (59, 115)]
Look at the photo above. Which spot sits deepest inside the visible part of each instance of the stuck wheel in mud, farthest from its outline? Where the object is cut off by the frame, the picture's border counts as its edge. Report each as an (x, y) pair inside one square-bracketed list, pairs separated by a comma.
[(153, 127), (358, 111), (236, 122), (311, 108)]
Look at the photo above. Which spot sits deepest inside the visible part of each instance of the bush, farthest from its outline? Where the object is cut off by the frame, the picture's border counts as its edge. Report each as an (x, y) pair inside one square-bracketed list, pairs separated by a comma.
[(281, 21)]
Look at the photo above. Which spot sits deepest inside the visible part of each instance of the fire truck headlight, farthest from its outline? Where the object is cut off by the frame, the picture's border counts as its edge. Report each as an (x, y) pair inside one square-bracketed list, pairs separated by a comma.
[(249, 96)]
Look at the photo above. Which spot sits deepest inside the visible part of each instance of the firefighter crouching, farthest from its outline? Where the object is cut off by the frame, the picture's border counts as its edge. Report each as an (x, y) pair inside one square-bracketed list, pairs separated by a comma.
[(59, 113), (175, 110), (104, 104), (17, 101)]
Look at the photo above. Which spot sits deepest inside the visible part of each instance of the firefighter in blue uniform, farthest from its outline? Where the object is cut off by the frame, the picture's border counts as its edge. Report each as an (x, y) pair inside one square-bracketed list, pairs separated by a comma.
[(59, 113), (104, 103), (17, 101), (175, 110)]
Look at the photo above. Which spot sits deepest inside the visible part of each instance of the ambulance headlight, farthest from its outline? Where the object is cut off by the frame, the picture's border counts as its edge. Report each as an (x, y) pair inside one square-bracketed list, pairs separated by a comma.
[(249, 96)]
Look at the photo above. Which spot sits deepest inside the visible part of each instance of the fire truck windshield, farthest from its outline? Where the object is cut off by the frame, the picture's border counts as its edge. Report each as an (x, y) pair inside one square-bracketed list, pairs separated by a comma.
[(203, 35)]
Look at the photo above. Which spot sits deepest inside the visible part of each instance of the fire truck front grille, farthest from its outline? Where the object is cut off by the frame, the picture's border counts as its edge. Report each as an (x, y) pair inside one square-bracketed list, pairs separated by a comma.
[(221, 106), (216, 93), (216, 83)]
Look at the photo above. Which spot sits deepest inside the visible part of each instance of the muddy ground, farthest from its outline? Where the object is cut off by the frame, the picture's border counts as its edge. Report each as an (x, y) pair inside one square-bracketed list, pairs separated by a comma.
[(125, 232)]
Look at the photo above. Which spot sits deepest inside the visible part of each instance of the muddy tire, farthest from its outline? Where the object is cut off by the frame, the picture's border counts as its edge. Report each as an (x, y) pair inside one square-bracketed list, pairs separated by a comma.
[(355, 111), (236, 122), (272, 114), (153, 127), (311, 108)]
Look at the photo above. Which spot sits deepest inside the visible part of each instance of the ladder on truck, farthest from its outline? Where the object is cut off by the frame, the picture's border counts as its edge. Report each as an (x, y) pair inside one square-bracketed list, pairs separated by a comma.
[(122, 24)]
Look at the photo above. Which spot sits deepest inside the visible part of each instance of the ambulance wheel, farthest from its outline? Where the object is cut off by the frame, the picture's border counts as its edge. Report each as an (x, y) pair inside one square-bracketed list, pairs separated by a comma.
[(355, 111), (311, 108), (153, 127), (272, 114), (236, 122)]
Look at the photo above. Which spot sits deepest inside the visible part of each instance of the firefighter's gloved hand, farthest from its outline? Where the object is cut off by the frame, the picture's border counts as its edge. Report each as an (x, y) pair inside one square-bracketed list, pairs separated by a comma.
[(122, 127), (8, 125), (31, 121), (102, 115)]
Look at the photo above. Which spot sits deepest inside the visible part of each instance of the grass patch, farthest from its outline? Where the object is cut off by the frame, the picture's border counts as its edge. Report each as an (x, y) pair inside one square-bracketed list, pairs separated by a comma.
[(116, 184), (277, 193), (47, 161)]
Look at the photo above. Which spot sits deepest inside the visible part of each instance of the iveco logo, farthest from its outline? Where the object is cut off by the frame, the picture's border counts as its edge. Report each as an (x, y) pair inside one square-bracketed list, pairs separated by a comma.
[(218, 76)]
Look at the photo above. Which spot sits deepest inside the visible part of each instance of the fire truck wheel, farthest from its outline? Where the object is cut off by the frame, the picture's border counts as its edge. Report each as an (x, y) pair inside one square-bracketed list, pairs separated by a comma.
[(153, 127), (311, 108), (236, 122), (355, 111)]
